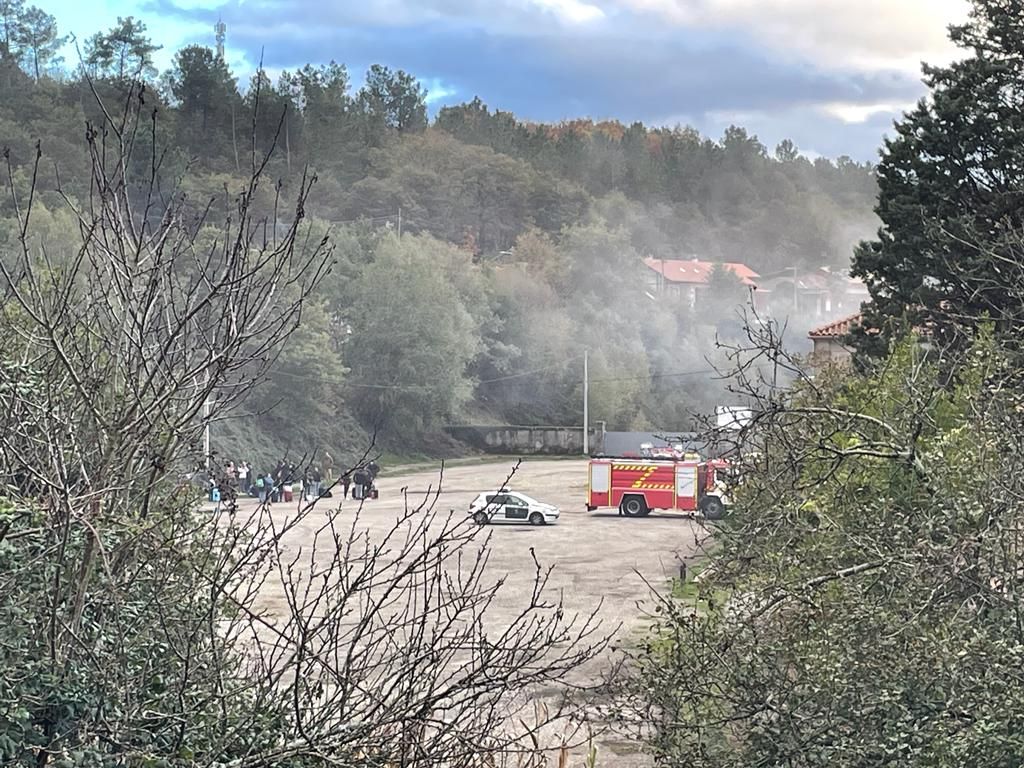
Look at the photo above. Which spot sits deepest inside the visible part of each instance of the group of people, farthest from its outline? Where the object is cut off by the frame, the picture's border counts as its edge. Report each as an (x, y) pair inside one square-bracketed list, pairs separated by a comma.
[(287, 482)]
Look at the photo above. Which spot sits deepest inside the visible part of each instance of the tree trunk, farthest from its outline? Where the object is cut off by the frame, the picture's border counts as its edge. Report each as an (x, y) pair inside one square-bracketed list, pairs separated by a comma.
[(234, 138)]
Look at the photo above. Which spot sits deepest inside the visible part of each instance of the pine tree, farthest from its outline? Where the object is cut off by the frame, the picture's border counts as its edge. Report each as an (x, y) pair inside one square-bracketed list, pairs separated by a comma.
[(951, 194)]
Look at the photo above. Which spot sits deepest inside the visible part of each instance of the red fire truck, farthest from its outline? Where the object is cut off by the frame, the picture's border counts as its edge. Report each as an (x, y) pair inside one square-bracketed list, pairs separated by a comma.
[(638, 486)]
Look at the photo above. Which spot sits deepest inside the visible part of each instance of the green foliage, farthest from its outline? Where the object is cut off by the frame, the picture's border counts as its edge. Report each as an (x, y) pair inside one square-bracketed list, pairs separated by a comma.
[(11, 14), (412, 339), (950, 183), (135, 673), (122, 53), (208, 103), (550, 224), (726, 286), (39, 40), (865, 593), (306, 381), (391, 100)]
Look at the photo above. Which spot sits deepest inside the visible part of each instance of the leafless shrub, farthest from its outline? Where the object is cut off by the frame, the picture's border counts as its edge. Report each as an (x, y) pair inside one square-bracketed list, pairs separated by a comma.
[(139, 630)]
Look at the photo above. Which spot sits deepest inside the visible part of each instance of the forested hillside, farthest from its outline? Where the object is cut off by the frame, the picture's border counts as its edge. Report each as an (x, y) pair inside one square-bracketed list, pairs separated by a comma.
[(476, 255)]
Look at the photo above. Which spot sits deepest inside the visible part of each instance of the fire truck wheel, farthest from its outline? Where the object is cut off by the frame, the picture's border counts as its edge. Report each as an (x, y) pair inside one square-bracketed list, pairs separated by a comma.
[(536, 519), (634, 506), (712, 508), (480, 518)]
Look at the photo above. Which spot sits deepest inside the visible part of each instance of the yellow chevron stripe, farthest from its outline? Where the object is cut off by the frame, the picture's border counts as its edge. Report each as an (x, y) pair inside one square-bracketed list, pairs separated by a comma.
[(648, 471)]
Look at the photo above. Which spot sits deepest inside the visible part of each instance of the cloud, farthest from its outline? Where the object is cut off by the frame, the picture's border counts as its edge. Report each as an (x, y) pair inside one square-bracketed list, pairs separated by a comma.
[(867, 34), (573, 11), (834, 72), (815, 132), (861, 113)]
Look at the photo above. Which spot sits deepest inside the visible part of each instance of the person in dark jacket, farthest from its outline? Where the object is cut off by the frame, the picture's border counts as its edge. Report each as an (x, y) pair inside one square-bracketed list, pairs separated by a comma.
[(361, 483), (316, 478)]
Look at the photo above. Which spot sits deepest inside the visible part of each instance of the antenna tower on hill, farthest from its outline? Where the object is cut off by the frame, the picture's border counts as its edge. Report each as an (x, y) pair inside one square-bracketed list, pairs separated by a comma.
[(221, 29)]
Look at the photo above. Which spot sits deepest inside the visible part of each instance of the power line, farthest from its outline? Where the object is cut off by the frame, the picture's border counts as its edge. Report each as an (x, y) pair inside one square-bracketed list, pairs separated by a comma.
[(651, 376), (532, 373)]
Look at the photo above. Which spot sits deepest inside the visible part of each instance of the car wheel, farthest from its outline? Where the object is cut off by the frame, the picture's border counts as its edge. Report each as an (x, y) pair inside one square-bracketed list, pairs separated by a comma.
[(712, 507), (634, 506), (480, 518), (536, 519)]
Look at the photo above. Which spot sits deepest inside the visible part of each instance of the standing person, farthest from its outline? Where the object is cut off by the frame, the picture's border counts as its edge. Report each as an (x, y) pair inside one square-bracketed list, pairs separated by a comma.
[(243, 478), (270, 488), (328, 465), (346, 481), (315, 480), (261, 489), (226, 491), (280, 478), (360, 480)]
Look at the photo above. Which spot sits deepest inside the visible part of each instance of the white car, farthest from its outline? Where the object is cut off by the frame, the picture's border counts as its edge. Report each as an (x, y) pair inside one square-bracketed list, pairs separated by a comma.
[(511, 507)]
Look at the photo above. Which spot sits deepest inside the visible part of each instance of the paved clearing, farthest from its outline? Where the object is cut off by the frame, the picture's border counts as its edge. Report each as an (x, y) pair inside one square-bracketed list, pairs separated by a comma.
[(596, 555)]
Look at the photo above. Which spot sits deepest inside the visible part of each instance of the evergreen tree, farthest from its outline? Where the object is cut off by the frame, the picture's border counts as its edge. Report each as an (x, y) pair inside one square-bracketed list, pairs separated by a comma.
[(951, 192), (208, 101), (123, 52), (11, 14), (39, 40), (391, 101)]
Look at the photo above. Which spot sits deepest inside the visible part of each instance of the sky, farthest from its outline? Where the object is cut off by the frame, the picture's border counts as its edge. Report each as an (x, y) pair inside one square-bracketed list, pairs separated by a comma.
[(831, 75)]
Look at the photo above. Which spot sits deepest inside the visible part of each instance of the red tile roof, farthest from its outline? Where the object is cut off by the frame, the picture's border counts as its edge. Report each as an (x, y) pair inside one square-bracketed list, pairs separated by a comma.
[(696, 272), (836, 329)]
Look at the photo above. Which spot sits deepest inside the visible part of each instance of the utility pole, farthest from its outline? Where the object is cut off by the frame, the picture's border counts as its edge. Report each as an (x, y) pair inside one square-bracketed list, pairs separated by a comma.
[(796, 295), (586, 404)]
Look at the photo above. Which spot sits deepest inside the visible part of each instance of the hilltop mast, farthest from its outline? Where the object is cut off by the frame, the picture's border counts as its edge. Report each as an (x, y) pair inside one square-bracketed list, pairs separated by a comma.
[(221, 29)]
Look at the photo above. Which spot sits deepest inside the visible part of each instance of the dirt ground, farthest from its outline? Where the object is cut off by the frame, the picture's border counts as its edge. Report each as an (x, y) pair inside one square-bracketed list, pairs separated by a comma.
[(597, 555)]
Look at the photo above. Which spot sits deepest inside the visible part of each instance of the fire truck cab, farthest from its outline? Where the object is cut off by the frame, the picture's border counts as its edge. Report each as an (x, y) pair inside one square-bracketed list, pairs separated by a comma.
[(636, 487)]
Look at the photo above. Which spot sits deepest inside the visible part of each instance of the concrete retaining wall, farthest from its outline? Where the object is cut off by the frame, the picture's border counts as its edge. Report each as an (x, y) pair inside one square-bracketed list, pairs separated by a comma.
[(519, 440)]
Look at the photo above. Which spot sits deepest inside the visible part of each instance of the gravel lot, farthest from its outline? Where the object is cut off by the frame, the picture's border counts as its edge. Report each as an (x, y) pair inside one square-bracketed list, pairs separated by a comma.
[(597, 555)]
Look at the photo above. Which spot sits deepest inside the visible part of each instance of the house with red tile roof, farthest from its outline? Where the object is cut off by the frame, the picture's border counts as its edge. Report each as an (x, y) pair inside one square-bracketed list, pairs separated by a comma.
[(828, 340), (688, 278), (812, 294)]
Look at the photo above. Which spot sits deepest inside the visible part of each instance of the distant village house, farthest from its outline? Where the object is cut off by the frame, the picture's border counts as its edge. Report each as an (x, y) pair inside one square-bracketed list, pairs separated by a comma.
[(815, 294), (829, 342), (688, 278)]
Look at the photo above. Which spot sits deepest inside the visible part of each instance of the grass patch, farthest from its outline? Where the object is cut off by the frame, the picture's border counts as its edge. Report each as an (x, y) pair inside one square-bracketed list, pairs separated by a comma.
[(695, 593)]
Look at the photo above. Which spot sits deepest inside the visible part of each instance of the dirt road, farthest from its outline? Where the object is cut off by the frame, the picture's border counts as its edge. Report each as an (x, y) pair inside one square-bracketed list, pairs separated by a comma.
[(597, 556)]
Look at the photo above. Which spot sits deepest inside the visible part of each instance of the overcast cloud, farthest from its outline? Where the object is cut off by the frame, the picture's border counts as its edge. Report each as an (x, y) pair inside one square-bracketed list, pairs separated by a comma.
[(829, 74)]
